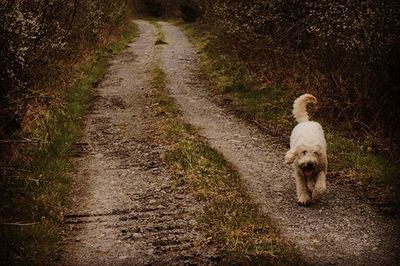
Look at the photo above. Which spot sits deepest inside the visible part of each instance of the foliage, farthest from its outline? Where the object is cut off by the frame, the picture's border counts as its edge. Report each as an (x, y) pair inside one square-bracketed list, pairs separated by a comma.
[(52, 53), (40, 40), (269, 107), (346, 52), (190, 10), (156, 8)]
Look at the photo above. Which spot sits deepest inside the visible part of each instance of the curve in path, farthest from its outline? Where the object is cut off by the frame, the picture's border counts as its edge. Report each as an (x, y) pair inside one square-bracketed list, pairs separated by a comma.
[(127, 209), (341, 230)]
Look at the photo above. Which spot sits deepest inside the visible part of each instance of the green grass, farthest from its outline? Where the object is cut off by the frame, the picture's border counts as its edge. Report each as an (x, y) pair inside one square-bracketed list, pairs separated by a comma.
[(361, 161), (271, 107), (37, 192), (230, 219)]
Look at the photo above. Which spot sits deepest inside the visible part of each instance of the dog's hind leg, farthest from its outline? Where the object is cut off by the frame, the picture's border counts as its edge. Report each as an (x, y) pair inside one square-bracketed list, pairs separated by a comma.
[(303, 194)]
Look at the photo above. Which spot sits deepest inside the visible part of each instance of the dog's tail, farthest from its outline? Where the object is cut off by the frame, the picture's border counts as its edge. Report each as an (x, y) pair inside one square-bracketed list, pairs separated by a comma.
[(300, 107)]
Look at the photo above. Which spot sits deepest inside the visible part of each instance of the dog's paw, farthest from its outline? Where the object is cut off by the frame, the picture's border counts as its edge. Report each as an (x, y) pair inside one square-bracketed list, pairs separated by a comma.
[(319, 190), (304, 200), (318, 193)]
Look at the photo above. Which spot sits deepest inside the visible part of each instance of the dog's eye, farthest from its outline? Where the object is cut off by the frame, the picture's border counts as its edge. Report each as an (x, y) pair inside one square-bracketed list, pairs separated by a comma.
[(304, 152), (316, 153)]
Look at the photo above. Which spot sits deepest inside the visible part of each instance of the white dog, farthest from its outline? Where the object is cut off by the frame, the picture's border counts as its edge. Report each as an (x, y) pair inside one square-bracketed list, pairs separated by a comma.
[(307, 153)]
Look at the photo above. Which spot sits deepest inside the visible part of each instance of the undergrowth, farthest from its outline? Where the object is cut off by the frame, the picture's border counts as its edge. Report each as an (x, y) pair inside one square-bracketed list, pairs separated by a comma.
[(269, 106), (230, 219), (35, 191)]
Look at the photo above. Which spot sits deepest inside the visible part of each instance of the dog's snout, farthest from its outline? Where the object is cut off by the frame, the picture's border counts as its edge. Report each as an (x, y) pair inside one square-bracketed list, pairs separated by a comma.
[(309, 164)]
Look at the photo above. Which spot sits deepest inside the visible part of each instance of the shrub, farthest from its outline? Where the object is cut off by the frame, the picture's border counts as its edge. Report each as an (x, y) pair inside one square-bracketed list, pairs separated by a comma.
[(346, 52), (154, 7), (190, 10), (39, 41)]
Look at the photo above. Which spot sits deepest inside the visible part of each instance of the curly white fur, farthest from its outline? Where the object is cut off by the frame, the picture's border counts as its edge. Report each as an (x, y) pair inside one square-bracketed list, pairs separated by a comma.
[(307, 153)]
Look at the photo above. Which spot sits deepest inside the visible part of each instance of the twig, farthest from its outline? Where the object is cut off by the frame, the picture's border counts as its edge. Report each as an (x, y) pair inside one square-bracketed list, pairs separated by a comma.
[(39, 96), (334, 80), (20, 224), (269, 131), (24, 140), (365, 127), (13, 169), (140, 198), (12, 141)]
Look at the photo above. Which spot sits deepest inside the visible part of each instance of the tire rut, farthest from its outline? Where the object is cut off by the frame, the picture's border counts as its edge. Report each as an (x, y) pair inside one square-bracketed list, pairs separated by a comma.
[(340, 230), (127, 208)]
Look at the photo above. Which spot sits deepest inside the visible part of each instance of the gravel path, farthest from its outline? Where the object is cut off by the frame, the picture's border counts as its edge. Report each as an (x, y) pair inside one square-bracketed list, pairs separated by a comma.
[(129, 211), (127, 208), (340, 230)]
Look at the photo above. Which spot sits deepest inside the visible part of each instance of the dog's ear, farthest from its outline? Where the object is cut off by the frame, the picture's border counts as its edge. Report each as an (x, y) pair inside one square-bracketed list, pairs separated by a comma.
[(290, 156)]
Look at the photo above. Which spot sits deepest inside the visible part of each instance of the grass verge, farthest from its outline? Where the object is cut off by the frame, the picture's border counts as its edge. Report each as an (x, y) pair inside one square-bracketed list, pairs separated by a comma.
[(35, 191), (230, 219), (270, 108)]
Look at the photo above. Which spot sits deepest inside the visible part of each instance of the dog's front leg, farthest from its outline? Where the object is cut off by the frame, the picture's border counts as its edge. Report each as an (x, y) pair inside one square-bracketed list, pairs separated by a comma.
[(320, 185), (303, 193)]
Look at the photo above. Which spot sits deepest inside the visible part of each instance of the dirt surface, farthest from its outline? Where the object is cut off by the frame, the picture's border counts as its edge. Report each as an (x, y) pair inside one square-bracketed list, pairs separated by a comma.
[(340, 230), (127, 208)]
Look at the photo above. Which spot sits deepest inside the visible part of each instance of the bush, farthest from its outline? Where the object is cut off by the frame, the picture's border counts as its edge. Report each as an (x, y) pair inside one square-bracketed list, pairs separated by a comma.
[(45, 45), (40, 41), (345, 52), (154, 7), (190, 10)]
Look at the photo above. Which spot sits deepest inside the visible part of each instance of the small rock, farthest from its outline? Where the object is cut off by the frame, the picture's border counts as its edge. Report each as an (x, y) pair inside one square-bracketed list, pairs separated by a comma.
[(150, 251), (136, 235)]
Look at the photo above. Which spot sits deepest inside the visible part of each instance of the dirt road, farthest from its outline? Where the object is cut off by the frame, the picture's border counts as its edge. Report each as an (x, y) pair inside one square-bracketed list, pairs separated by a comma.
[(128, 211)]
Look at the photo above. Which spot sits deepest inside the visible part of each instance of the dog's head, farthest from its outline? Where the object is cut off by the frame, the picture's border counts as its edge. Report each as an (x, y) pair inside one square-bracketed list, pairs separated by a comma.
[(307, 158)]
